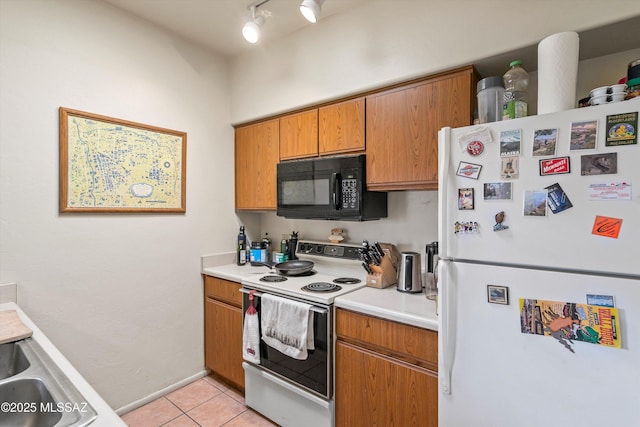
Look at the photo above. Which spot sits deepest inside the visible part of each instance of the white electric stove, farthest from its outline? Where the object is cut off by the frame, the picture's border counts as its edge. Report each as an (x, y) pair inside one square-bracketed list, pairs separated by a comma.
[(337, 270), (287, 390)]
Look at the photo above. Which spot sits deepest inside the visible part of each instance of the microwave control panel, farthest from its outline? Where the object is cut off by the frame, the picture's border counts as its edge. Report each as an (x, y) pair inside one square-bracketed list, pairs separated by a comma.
[(350, 193)]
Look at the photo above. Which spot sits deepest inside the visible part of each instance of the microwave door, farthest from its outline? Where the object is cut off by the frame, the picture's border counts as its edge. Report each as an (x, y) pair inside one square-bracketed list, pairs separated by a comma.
[(306, 196)]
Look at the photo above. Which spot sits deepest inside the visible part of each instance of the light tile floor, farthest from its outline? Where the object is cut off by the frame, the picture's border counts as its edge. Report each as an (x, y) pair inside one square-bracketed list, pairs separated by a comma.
[(203, 403)]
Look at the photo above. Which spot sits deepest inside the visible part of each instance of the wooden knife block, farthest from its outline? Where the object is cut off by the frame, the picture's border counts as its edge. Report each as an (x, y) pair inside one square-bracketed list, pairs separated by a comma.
[(385, 274)]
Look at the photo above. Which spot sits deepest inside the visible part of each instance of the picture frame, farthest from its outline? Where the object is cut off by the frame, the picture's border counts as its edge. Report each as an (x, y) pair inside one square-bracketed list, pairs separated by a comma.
[(115, 165), (498, 294)]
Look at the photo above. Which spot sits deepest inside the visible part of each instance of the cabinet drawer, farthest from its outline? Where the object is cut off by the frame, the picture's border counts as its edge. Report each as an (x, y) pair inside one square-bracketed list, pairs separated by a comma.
[(223, 290), (414, 345)]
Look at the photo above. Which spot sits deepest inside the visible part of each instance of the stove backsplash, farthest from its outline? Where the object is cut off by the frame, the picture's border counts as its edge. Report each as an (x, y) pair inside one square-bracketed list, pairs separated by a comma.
[(412, 222)]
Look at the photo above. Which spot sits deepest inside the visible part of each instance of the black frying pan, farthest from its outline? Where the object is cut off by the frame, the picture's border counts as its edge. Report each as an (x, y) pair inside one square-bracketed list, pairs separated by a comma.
[(289, 268)]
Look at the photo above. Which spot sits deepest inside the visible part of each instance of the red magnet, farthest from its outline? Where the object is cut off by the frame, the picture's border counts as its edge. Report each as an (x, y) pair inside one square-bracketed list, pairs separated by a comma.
[(475, 148)]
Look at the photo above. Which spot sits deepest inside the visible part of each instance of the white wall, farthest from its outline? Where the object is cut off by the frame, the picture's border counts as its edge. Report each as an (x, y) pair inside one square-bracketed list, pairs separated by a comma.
[(119, 294)]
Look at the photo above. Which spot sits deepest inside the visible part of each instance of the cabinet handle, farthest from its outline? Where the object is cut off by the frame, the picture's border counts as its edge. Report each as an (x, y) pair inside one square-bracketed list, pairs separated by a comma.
[(259, 294)]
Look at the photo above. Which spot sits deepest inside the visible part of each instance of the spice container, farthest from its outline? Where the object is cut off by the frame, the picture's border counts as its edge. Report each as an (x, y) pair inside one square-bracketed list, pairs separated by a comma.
[(633, 88)]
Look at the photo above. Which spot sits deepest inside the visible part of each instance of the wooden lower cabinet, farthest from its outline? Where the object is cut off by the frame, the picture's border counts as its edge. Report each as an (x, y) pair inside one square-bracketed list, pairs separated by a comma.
[(223, 330), (377, 384)]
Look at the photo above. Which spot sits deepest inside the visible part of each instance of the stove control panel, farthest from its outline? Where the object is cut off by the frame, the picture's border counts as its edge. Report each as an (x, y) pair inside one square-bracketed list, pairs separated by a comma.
[(330, 250)]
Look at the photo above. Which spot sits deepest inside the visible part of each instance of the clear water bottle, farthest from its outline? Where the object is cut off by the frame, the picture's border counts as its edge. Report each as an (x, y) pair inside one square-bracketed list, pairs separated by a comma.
[(516, 81)]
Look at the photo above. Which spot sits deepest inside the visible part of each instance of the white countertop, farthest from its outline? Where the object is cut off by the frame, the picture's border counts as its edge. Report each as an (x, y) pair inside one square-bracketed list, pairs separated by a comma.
[(387, 303), (234, 272), (106, 415)]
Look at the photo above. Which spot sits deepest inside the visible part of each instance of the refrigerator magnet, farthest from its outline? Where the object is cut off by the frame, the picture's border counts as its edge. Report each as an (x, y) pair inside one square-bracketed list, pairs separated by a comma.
[(497, 191), (468, 170), (465, 199), (497, 294), (599, 164), (606, 226), (619, 190), (475, 148), (557, 199), (544, 142), (509, 168), (584, 135), (622, 129), (476, 139), (510, 142), (499, 226), (535, 203), (555, 166)]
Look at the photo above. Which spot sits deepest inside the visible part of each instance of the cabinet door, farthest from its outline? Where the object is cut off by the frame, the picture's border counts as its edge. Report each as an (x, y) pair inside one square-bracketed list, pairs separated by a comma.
[(223, 341), (402, 130), (374, 390), (341, 127), (256, 157), (299, 135), (223, 290)]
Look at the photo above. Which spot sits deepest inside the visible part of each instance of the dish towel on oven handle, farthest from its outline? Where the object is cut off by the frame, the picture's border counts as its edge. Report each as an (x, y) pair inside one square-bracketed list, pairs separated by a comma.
[(287, 325), (251, 334)]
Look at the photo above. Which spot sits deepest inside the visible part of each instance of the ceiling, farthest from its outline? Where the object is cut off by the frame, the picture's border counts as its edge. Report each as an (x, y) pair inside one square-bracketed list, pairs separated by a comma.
[(217, 24)]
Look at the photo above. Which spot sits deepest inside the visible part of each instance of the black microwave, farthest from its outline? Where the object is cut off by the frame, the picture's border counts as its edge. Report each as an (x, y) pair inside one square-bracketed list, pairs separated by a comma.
[(328, 188)]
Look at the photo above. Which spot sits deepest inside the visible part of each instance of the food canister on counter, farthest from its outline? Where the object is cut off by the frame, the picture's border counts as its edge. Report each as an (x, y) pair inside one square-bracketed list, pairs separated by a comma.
[(633, 88), (633, 70), (258, 252)]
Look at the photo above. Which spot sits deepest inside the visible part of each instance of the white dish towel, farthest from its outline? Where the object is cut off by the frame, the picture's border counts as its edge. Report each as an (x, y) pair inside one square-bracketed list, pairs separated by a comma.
[(287, 326)]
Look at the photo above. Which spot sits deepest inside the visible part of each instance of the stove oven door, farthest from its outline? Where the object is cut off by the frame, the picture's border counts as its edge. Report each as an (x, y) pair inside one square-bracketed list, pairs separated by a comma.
[(313, 374)]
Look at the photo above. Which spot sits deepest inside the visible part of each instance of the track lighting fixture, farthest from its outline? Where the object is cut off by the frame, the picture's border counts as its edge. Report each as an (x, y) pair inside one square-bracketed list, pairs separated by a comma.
[(251, 30), (311, 9)]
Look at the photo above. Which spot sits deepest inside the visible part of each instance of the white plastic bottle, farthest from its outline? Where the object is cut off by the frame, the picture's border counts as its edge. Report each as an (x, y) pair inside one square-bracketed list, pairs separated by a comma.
[(516, 81)]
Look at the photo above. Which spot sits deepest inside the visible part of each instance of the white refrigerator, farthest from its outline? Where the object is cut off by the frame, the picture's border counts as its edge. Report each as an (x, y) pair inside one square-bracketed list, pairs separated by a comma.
[(543, 209)]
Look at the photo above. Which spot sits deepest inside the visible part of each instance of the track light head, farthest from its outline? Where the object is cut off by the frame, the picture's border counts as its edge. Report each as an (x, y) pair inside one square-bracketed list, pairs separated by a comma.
[(251, 30), (311, 9)]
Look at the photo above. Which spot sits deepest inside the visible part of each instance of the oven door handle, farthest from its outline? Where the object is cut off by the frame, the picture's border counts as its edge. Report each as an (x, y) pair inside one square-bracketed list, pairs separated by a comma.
[(259, 294)]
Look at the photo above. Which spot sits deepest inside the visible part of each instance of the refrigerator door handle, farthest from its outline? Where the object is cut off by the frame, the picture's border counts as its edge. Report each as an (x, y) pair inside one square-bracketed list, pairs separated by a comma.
[(447, 327), (444, 148)]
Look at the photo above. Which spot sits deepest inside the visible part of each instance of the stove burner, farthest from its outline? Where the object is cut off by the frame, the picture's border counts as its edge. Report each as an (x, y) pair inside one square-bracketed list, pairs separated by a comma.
[(321, 287), (272, 278), (307, 274), (346, 280)]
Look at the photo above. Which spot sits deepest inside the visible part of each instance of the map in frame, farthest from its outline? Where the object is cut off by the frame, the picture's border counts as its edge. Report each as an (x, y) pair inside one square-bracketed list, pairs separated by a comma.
[(113, 165)]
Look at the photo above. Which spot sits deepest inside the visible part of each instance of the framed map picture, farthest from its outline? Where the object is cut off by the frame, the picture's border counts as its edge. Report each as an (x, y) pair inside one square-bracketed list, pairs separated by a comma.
[(113, 165)]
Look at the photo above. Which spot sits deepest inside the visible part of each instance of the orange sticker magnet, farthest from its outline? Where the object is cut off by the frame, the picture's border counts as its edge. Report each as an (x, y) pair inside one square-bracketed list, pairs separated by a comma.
[(606, 226)]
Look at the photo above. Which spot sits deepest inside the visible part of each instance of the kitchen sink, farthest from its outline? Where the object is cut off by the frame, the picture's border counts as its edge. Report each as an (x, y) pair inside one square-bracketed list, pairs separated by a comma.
[(29, 404), (12, 360), (35, 392)]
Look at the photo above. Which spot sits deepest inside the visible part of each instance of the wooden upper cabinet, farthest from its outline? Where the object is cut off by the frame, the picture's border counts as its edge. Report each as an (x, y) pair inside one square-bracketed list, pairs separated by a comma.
[(299, 135), (402, 127), (256, 157), (341, 127)]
